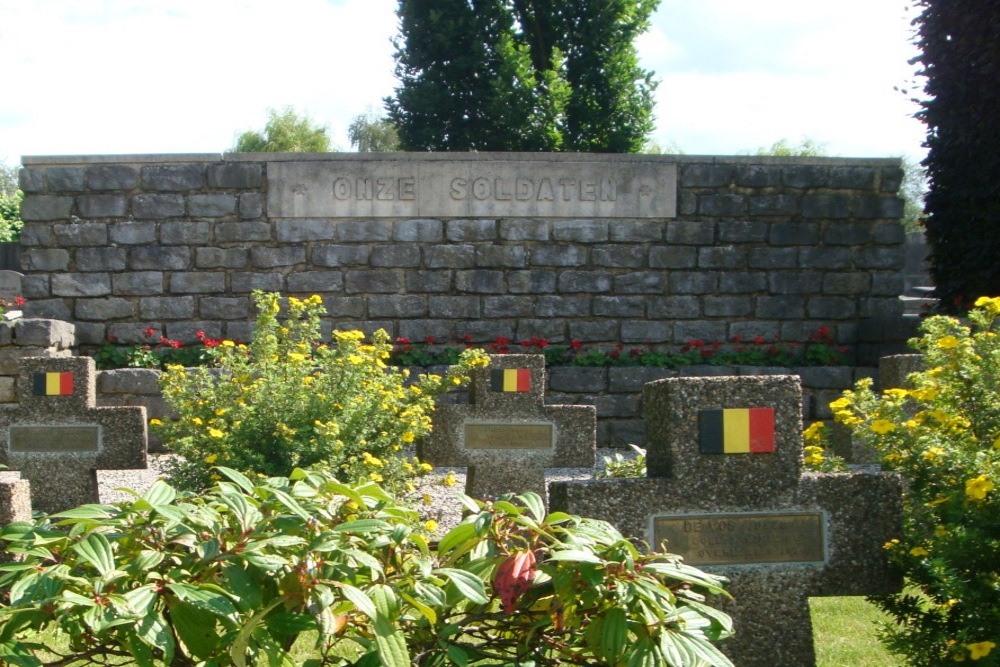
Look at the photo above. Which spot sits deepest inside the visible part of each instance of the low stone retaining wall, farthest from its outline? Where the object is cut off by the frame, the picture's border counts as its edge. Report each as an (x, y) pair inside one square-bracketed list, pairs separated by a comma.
[(615, 391)]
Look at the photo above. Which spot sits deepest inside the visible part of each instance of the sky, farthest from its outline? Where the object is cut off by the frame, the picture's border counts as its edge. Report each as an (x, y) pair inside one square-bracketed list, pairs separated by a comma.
[(88, 77)]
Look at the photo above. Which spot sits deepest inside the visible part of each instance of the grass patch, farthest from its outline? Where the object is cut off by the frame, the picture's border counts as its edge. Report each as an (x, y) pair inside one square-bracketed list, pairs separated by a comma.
[(844, 633)]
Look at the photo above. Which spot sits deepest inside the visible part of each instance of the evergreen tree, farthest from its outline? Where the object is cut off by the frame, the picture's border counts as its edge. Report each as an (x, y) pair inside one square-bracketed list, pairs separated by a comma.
[(522, 75), (960, 44)]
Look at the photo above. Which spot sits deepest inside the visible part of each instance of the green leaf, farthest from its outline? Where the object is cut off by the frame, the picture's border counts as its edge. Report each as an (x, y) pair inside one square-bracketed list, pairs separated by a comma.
[(246, 586), (425, 611), (702, 649), (96, 550), (457, 655), (534, 504), (362, 526), (615, 634), (576, 556), (462, 534), (644, 654), (386, 602), (341, 489), (209, 597), (360, 600), (86, 512), (468, 584), (195, 629), (14, 653), (239, 478), (391, 644), (160, 493), (558, 517), (293, 506), (141, 599)]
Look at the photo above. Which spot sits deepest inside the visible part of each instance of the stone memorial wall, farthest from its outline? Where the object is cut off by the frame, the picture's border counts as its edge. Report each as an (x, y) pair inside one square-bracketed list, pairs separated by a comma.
[(625, 249)]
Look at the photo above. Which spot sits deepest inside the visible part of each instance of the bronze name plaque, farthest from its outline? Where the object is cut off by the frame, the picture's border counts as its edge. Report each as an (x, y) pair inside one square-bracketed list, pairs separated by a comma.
[(488, 435), (54, 439), (743, 539)]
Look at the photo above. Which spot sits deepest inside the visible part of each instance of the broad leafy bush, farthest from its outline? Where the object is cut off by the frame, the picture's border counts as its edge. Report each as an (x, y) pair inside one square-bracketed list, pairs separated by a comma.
[(287, 401), (249, 571), (943, 435)]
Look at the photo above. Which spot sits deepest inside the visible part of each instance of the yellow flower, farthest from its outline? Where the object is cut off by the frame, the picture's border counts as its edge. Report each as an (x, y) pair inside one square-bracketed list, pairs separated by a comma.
[(372, 460), (918, 551), (980, 649), (947, 343), (882, 426), (221, 411), (977, 487), (216, 433), (155, 422), (933, 453), (214, 477), (228, 343), (295, 356), (375, 477), (895, 392), (891, 544), (211, 458), (840, 403), (427, 499), (197, 420), (408, 436), (940, 531), (449, 479), (430, 525), (996, 443), (426, 467)]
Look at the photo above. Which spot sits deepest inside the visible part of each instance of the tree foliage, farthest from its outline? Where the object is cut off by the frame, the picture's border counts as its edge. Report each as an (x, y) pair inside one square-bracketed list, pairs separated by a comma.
[(371, 133), (10, 204), (961, 60), (285, 132), (522, 75)]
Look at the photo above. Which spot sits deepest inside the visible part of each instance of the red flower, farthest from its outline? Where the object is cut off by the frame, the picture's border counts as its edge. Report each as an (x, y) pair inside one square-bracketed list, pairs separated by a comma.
[(759, 340), (112, 338), (575, 344), (402, 341), (737, 338), (200, 335), (150, 332), (18, 300), (430, 340)]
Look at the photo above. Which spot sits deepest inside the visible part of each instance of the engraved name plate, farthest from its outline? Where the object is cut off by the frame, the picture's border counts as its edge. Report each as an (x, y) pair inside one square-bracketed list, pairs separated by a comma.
[(744, 538), (490, 435), (54, 439)]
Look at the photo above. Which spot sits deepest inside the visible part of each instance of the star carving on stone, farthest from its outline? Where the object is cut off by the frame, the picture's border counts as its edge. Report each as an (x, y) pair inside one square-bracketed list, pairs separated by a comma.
[(645, 190), (300, 189)]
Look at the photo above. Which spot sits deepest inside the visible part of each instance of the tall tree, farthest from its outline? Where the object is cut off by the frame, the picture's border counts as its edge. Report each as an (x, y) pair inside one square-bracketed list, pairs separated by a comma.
[(522, 75), (285, 132), (370, 133), (960, 44)]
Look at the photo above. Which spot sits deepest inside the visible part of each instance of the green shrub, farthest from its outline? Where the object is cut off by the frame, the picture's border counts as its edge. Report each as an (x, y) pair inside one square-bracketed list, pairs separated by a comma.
[(286, 401), (10, 216), (943, 435), (236, 575), (618, 466)]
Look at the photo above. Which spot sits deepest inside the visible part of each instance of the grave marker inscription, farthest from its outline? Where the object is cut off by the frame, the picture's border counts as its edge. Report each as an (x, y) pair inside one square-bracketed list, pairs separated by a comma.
[(507, 436), (57, 438), (728, 494)]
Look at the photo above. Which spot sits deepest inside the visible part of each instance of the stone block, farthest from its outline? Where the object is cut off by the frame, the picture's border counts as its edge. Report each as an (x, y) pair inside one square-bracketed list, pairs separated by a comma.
[(198, 282), (824, 257), (631, 379), (173, 177), (340, 255), (364, 231), (739, 282), (395, 256), (826, 377), (167, 307), (212, 205), (693, 282), (531, 282), (428, 281), (81, 284), (781, 307), (795, 233), (750, 330), (580, 231), (848, 283), (795, 282), (722, 257), (619, 306), (889, 233), (505, 256), (848, 233), (687, 232), (551, 330), (578, 379), (636, 231), (141, 381), (758, 175), (112, 177), (722, 205), (220, 258), (46, 207), (158, 206), (773, 205), (184, 232), (803, 176), (880, 258), (397, 306), (563, 306), (828, 207), (35, 286), (31, 180), (467, 231), (706, 175), (891, 179), (43, 333), (81, 234), (421, 330), (312, 282), (480, 281), (709, 332), (269, 258), (831, 307), (773, 258), (251, 205), (130, 232), (237, 176), (591, 282), (241, 232), (418, 231), (48, 308), (111, 308), (524, 230), (301, 231), (45, 259), (36, 234), (852, 178), (137, 283), (672, 257), (742, 231), (886, 284), (91, 333), (603, 331), (673, 307), (727, 306), (100, 259), (372, 282), (224, 308), (552, 255), (248, 281), (499, 307), (620, 256), (640, 282), (450, 256), (352, 307), (875, 206), (454, 307), (102, 206), (647, 332), (158, 257)]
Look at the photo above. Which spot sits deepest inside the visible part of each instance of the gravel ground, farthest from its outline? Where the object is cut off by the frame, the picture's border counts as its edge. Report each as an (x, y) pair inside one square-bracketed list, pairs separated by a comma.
[(445, 508)]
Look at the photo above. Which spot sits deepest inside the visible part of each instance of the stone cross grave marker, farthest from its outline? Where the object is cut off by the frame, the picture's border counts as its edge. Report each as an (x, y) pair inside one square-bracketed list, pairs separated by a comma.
[(507, 436), (58, 439), (725, 490)]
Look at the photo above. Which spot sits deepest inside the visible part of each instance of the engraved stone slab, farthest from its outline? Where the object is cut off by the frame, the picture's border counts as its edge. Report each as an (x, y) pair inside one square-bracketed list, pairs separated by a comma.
[(743, 539), (498, 435), (483, 185), (54, 439), (10, 286)]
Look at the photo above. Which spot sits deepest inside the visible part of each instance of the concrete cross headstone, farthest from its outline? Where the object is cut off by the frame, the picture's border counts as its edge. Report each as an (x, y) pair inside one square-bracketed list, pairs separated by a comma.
[(58, 439), (507, 436), (725, 490)]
